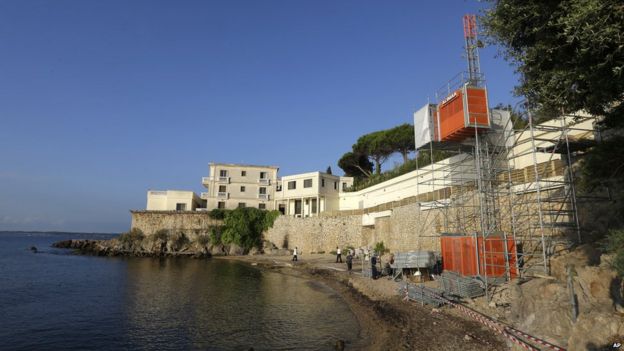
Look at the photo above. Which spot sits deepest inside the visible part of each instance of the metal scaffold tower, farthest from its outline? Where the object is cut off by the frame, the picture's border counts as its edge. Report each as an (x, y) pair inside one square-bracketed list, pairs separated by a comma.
[(511, 190)]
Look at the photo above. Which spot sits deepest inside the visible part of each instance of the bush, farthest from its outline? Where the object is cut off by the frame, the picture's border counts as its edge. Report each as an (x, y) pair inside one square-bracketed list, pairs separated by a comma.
[(218, 213), (615, 245), (203, 240), (134, 235), (380, 248), (215, 235), (244, 226), (162, 235), (180, 239)]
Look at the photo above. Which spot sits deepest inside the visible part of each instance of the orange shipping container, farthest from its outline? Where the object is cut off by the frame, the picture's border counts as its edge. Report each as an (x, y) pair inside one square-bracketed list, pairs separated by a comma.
[(465, 255), (461, 112)]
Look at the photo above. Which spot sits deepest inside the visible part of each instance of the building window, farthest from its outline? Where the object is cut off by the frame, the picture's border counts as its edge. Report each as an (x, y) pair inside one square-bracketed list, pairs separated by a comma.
[(223, 173), (222, 188), (262, 206), (344, 186), (292, 185), (323, 182), (242, 205), (278, 188), (335, 185), (262, 190), (180, 207), (221, 205), (263, 175), (313, 205), (307, 183), (243, 173), (242, 189)]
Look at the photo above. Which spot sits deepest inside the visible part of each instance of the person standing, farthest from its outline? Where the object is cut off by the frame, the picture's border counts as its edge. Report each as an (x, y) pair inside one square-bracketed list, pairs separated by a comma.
[(349, 262), (295, 254), (338, 255)]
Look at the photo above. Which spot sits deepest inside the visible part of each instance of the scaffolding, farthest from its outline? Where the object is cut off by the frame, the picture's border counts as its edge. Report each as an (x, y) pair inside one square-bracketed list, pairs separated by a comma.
[(517, 185)]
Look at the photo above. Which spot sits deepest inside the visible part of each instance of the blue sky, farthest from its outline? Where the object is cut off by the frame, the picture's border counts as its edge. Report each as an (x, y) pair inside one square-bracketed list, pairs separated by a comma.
[(102, 100)]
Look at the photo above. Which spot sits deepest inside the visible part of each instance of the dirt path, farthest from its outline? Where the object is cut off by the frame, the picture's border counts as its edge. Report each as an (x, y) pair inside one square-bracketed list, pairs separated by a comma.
[(386, 322)]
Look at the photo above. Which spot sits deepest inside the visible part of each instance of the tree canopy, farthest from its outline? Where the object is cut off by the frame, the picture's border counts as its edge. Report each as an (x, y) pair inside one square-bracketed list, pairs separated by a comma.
[(570, 53), (356, 165), (401, 139)]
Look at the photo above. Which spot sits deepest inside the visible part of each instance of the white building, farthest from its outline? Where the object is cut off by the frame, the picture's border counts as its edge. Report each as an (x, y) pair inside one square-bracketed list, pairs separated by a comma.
[(172, 200), (230, 186), (308, 194)]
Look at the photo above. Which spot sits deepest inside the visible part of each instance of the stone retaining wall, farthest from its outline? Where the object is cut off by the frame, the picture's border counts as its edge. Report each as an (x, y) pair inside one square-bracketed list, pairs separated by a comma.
[(190, 222), (405, 229)]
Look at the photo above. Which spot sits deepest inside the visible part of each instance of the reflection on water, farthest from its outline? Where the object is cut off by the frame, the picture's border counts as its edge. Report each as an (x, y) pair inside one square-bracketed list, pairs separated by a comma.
[(57, 301), (226, 305)]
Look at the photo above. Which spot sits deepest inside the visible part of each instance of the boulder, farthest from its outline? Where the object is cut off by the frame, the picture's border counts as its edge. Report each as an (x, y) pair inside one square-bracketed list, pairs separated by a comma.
[(235, 250)]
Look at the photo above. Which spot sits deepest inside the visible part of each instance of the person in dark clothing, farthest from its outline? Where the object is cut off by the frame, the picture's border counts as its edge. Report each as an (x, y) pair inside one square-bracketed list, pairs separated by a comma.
[(373, 267), (349, 262)]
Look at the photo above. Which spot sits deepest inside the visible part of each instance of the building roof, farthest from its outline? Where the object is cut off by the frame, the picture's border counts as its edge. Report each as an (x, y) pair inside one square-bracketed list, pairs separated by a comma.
[(241, 165)]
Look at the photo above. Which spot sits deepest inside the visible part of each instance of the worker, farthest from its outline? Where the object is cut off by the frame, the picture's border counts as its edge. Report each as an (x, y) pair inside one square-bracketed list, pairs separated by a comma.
[(338, 255), (295, 254), (373, 261), (349, 262)]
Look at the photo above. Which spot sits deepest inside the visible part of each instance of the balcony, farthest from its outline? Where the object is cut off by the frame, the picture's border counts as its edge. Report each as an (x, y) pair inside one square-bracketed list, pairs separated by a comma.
[(223, 195), (204, 195), (224, 180), (264, 197), (199, 209), (206, 180), (264, 181)]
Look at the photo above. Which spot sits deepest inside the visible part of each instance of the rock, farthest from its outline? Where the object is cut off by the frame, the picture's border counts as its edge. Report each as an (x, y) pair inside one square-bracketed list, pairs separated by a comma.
[(235, 250), (340, 345), (467, 337), (217, 250), (254, 251), (33, 249)]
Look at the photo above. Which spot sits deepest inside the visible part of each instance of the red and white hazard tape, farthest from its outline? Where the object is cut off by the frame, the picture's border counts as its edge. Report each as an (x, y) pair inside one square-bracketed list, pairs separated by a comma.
[(534, 339), (498, 327)]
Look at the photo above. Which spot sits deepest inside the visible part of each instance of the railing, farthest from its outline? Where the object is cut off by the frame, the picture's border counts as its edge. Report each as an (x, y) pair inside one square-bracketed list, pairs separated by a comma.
[(264, 181), (201, 209), (206, 180), (204, 195), (223, 195), (263, 197), (156, 192), (224, 179)]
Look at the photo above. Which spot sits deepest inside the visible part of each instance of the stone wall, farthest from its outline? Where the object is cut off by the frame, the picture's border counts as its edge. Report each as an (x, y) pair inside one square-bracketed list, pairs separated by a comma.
[(405, 229), (190, 222)]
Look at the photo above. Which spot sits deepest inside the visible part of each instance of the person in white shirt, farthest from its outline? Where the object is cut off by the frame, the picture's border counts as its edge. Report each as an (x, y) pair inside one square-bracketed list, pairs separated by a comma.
[(295, 254), (338, 255)]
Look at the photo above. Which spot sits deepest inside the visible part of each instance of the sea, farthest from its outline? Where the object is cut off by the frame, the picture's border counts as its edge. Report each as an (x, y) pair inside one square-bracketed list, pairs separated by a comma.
[(55, 300)]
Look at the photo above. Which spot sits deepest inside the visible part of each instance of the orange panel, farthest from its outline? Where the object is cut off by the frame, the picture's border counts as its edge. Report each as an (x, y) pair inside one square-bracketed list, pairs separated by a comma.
[(477, 107), (452, 125), (459, 254), (451, 114)]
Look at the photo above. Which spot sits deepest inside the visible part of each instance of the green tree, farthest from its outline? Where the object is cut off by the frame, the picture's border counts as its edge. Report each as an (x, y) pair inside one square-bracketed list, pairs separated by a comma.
[(401, 139), (355, 165), (377, 146), (569, 53), (244, 226)]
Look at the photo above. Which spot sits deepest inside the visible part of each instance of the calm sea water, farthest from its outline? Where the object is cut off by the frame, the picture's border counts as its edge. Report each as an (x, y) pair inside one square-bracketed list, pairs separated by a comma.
[(55, 300)]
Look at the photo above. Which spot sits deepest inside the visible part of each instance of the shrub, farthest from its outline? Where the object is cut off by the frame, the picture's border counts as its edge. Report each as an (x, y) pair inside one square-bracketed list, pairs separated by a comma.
[(203, 240), (162, 235), (215, 235), (614, 243), (244, 226), (218, 213), (134, 235), (380, 248), (180, 239)]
